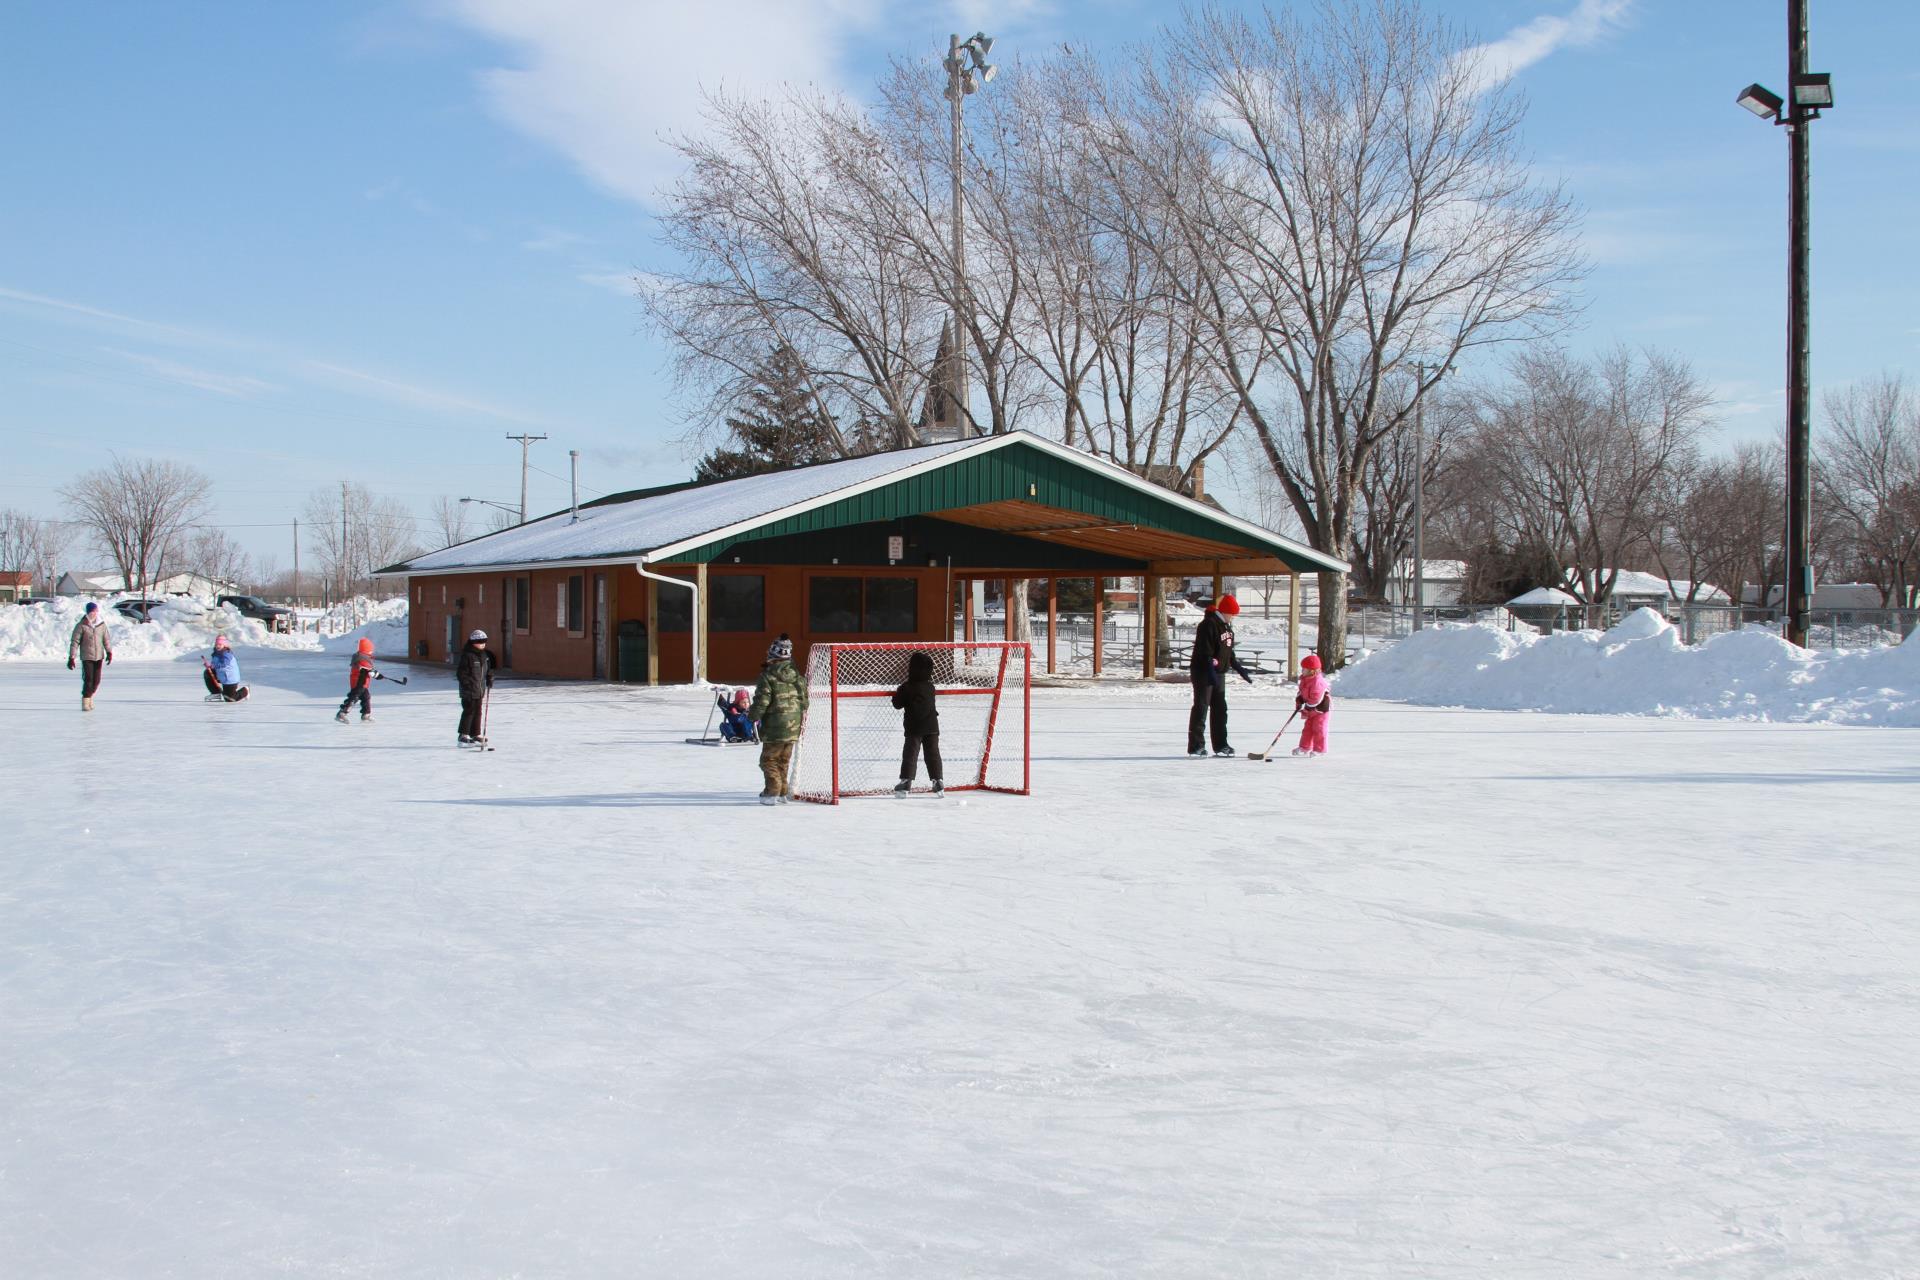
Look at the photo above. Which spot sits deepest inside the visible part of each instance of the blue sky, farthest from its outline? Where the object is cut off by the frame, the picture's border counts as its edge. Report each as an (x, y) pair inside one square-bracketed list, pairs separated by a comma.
[(295, 244)]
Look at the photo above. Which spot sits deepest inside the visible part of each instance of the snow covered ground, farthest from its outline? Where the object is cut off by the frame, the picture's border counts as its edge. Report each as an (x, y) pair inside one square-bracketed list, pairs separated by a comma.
[(1481, 994)]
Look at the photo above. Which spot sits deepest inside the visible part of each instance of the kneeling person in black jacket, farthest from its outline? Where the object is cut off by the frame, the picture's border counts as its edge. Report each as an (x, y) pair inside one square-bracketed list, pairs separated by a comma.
[(918, 698)]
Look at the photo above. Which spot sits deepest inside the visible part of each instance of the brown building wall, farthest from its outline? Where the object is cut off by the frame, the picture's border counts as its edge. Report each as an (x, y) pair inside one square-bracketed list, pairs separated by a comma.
[(547, 647)]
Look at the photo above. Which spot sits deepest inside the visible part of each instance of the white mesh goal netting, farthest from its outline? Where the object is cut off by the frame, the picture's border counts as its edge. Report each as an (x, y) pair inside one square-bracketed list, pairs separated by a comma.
[(852, 742)]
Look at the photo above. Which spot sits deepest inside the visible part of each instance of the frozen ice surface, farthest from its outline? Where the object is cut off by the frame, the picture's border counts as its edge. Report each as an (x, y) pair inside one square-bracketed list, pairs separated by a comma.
[(1480, 994)]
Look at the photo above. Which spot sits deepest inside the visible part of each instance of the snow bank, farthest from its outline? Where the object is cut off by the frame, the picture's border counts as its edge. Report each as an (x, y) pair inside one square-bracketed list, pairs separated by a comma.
[(387, 625), (1640, 667), (41, 633)]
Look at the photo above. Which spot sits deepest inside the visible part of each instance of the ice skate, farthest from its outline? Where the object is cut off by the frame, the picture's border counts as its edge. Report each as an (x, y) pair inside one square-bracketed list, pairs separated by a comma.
[(901, 788), (86, 704), (1302, 751), (341, 716), (1225, 751), (768, 798), (1198, 753), (939, 788)]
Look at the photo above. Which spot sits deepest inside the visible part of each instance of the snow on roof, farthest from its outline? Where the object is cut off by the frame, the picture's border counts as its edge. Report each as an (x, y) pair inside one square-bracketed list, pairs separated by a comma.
[(660, 525), (1543, 595), (1434, 571), (1635, 582), (646, 524)]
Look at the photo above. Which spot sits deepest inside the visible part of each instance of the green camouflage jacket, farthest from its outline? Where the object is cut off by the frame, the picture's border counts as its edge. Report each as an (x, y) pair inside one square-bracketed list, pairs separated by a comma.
[(780, 703)]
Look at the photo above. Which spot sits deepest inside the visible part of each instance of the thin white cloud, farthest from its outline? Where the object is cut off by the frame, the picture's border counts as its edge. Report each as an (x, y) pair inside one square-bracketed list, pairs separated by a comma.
[(1498, 61), (605, 82), (111, 317), (416, 396), (620, 282), (233, 385), (554, 239)]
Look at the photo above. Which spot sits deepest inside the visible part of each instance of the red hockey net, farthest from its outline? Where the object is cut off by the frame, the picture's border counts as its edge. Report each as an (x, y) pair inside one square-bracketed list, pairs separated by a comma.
[(852, 741)]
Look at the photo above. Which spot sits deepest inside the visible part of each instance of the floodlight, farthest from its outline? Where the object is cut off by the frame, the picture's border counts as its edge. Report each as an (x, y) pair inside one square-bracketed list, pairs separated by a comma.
[(988, 72), (1762, 101), (982, 41), (1813, 89)]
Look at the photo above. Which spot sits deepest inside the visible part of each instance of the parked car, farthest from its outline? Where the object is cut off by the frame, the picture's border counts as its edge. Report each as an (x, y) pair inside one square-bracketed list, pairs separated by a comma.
[(277, 617), (137, 610)]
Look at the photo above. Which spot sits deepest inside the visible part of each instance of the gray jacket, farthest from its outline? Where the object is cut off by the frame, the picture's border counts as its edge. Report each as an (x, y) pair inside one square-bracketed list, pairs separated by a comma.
[(90, 641)]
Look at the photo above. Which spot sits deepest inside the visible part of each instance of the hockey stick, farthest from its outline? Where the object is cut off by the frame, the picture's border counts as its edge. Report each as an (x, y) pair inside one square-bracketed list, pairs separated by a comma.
[(395, 679), (1268, 753)]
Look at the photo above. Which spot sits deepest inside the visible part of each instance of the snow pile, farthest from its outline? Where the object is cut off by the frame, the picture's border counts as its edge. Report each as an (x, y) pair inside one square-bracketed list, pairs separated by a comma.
[(387, 625), (1640, 667), (181, 625)]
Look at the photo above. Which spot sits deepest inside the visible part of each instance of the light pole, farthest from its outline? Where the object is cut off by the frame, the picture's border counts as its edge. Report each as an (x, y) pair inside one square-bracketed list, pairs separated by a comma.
[(1808, 93), (526, 441), (1422, 371), (518, 513), (965, 75)]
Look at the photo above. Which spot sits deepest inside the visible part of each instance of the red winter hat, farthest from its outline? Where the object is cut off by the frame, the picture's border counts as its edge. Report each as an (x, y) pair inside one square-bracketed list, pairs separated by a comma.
[(366, 644), (1229, 606), (1310, 663)]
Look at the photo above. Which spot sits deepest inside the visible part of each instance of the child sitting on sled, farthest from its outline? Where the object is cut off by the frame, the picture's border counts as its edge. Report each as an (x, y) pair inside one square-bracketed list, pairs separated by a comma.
[(735, 724), (1314, 701)]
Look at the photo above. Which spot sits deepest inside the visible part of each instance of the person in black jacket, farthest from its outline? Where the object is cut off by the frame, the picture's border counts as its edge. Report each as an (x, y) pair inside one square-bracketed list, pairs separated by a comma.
[(1213, 657), (474, 671), (919, 700)]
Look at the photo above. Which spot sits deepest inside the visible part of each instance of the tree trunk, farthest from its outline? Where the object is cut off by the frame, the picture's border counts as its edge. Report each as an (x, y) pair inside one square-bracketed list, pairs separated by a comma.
[(1331, 641), (1162, 636), (1019, 612)]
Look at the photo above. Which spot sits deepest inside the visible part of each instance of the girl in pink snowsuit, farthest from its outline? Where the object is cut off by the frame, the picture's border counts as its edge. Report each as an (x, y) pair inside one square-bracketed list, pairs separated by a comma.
[(1314, 701)]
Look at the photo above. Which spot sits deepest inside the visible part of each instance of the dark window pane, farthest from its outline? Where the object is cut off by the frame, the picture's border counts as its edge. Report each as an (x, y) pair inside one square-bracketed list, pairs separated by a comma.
[(739, 602), (833, 606), (893, 606), (522, 602), (576, 603), (676, 608)]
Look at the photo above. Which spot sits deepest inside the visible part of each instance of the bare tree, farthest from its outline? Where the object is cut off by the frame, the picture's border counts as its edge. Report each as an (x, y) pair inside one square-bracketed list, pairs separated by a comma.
[(33, 546), (216, 557), (137, 511), (1580, 454), (352, 533), (1869, 472), (1723, 520), (449, 516), (1352, 195)]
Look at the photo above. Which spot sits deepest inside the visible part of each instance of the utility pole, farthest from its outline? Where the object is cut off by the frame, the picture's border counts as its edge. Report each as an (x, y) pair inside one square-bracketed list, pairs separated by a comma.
[(525, 442), (343, 542), (573, 456), (296, 562), (1421, 371)]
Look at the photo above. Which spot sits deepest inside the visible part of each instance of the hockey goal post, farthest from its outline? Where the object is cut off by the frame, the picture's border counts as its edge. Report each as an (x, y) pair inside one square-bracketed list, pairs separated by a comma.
[(852, 742)]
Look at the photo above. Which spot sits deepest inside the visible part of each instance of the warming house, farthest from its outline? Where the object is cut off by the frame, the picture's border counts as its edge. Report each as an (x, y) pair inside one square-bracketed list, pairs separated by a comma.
[(693, 581)]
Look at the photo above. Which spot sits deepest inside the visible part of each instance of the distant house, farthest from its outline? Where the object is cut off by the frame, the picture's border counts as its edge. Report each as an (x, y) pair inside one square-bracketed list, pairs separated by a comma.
[(1444, 582), (1634, 589), (1828, 595), (15, 584)]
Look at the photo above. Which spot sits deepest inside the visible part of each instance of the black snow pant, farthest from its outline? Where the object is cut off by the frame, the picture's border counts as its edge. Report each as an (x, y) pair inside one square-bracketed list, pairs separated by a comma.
[(910, 757), (231, 692), (469, 717), (1209, 705), (89, 677), (361, 695)]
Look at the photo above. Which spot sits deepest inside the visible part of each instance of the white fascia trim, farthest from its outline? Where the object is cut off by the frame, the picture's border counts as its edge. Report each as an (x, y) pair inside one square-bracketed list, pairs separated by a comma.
[(986, 444), (525, 566)]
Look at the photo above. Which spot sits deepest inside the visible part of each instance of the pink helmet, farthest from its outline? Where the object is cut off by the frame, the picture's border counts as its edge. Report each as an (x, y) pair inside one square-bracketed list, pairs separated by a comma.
[(742, 697), (219, 642)]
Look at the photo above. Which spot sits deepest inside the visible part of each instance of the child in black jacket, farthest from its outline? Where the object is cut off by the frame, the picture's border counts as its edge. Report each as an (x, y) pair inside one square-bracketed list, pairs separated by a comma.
[(918, 699)]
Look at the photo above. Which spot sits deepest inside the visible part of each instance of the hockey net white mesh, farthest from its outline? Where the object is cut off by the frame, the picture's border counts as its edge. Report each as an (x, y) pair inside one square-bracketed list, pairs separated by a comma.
[(852, 742)]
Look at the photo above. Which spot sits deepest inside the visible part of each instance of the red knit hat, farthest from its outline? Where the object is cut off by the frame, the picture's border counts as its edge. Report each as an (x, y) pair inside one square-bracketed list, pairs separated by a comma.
[(1310, 663), (366, 644), (1229, 606)]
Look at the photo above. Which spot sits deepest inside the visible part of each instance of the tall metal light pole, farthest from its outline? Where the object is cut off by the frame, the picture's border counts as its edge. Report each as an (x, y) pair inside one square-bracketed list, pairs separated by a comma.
[(965, 75), (1808, 93), (1422, 370)]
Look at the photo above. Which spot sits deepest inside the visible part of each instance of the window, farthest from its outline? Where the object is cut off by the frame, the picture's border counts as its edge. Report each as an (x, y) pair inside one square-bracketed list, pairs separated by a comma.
[(483, 593), (560, 605), (833, 605), (675, 609), (576, 603), (893, 606), (738, 603), (522, 603), (419, 595), (443, 593)]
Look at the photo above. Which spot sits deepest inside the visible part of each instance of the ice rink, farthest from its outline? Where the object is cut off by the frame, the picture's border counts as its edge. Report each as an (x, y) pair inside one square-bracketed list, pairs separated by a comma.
[(1480, 994)]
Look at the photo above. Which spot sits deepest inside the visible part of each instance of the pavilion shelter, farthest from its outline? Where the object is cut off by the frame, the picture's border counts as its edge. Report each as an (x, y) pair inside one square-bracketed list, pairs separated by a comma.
[(692, 581)]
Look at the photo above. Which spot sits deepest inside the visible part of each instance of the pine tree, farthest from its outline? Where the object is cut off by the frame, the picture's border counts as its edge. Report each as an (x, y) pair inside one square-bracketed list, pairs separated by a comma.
[(778, 425)]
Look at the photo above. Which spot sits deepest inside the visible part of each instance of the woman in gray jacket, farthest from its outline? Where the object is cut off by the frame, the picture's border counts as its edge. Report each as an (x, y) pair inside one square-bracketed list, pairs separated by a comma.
[(93, 646)]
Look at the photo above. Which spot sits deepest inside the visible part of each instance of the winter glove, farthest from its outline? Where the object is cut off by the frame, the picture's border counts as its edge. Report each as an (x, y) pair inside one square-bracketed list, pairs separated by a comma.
[(69, 664), (109, 657), (1246, 677)]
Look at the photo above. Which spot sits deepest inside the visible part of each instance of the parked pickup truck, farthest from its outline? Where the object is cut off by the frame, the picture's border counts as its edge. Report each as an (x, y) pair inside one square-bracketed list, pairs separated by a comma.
[(277, 617)]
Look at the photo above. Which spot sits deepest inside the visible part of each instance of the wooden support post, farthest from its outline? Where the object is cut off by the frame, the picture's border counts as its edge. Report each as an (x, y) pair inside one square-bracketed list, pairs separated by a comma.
[(1099, 623), (653, 630), (1219, 582), (1293, 624), (966, 610), (705, 664), (1053, 623), (1149, 605)]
